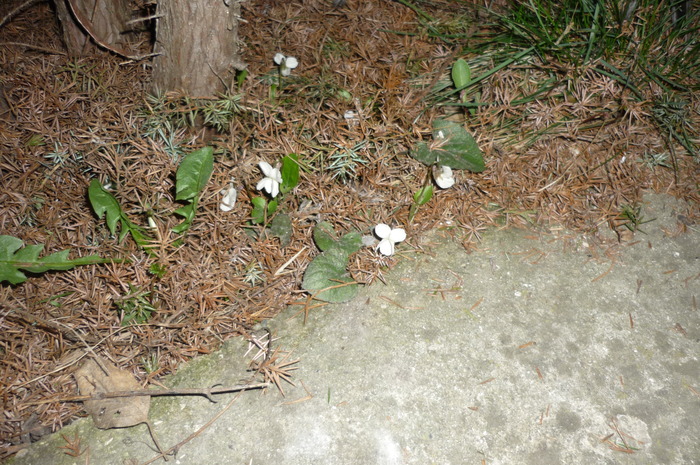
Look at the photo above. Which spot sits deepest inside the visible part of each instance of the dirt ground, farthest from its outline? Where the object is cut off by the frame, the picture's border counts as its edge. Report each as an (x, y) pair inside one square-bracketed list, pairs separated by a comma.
[(65, 121)]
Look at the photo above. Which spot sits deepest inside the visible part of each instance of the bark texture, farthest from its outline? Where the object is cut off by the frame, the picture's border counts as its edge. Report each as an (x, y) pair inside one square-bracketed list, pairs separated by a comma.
[(105, 19), (198, 45)]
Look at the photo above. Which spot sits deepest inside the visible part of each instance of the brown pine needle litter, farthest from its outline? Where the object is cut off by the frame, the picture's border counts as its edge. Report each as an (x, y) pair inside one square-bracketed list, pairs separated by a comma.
[(66, 121)]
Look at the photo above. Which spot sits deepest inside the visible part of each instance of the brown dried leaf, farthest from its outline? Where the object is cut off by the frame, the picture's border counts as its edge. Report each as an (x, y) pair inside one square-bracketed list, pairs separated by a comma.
[(98, 378)]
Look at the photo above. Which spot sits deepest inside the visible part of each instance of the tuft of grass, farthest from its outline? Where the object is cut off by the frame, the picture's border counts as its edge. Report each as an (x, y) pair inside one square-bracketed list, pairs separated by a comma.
[(344, 162), (645, 53), (135, 307), (631, 217), (166, 116)]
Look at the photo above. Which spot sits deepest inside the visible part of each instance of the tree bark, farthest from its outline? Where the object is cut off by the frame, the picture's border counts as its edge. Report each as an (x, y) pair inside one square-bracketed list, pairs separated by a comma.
[(105, 18), (198, 45)]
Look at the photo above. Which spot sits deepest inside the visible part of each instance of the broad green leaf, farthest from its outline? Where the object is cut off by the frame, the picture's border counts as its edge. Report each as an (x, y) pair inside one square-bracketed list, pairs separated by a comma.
[(423, 195), (191, 177), (461, 151), (349, 243), (14, 258), (193, 173), (258, 213), (324, 236), (271, 208), (187, 212), (327, 270), (290, 173), (240, 77), (104, 203), (423, 154), (461, 74), (458, 150), (281, 227)]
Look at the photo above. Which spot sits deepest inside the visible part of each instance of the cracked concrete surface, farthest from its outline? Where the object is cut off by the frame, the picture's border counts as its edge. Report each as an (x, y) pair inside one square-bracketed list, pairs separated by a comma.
[(535, 349)]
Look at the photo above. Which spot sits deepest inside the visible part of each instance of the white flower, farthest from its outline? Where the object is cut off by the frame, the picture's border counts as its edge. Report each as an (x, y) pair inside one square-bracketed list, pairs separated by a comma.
[(272, 180), (388, 237), (443, 176), (229, 199), (286, 64)]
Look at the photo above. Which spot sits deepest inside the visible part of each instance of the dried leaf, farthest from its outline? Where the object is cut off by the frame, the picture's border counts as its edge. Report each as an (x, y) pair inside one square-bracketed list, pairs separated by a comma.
[(111, 413)]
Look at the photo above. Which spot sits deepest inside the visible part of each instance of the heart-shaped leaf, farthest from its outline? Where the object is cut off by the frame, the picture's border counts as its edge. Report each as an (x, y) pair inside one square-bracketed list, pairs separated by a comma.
[(458, 149), (324, 236), (327, 271), (281, 227), (350, 243)]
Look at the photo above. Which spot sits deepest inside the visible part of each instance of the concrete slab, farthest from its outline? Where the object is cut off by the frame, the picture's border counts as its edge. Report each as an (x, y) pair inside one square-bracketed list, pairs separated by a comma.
[(532, 350)]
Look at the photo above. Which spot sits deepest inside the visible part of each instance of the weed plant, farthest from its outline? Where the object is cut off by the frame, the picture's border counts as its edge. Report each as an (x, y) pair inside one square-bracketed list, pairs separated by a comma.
[(646, 49)]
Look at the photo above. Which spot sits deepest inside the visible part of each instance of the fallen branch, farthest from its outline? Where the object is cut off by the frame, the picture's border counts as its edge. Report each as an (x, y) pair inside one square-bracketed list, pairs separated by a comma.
[(206, 392)]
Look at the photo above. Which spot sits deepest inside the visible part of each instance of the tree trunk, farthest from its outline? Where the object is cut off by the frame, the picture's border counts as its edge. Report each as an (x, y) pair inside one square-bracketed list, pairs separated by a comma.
[(198, 45), (105, 19)]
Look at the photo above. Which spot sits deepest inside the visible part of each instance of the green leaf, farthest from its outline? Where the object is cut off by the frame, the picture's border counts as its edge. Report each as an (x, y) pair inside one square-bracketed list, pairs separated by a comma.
[(423, 195), (191, 177), (324, 236), (461, 151), (193, 173), (104, 203), (290, 173), (186, 211), (271, 208), (458, 150), (461, 74), (281, 227), (258, 213), (326, 270), (14, 258), (423, 154), (412, 212), (349, 243), (240, 77)]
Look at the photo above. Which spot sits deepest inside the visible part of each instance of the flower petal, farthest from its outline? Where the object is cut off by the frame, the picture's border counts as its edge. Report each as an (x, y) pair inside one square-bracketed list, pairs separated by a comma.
[(266, 168), (382, 230), (276, 175), (279, 58), (291, 62), (386, 247), (443, 177), (275, 188), (285, 71), (229, 200), (397, 235), (261, 184)]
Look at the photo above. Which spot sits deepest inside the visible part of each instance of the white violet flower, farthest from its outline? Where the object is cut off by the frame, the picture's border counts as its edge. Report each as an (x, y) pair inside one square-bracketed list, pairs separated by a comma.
[(388, 237), (229, 200), (286, 64), (272, 180), (443, 176)]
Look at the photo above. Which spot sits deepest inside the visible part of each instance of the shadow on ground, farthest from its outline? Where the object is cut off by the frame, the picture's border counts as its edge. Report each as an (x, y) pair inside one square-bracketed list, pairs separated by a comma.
[(535, 349)]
